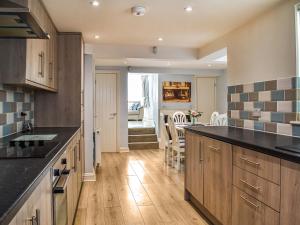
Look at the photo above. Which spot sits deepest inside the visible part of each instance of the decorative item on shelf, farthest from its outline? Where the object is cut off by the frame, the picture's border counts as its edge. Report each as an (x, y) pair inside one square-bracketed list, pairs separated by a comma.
[(194, 114)]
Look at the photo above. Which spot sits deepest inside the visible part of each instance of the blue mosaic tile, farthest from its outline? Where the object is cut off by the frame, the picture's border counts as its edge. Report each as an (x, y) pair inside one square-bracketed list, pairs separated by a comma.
[(9, 107), (296, 106), (259, 105), (244, 97), (277, 117), (259, 86), (231, 89), (296, 130), (9, 129), (296, 82), (277, 95), (244, 115), (259, 126)]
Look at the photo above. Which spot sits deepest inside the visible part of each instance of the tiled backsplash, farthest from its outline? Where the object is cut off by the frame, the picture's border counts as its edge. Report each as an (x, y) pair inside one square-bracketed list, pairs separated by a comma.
[(13, 101), (277, 100)]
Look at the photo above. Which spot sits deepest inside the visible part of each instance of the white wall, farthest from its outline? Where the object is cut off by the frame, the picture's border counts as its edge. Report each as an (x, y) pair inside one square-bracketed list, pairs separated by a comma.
[(89, 77), (262, 49), (122, 117), (221, 93)]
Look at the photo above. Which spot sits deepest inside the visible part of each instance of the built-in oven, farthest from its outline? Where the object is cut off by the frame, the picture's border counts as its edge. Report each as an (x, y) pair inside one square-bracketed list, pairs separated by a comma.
[(60, 186)]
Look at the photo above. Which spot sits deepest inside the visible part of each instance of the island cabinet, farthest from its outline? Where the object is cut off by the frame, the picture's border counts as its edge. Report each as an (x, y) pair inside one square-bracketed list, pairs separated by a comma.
[(31, 62), (209, 175)]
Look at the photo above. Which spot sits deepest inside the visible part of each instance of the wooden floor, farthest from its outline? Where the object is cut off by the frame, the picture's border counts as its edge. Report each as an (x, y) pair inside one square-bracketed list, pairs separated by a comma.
[(135, 188)]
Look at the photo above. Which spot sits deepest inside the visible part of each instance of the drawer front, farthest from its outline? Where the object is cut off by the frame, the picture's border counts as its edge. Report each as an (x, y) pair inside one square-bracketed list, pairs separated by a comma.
[(259, 188), (248, 211), (264, 166)]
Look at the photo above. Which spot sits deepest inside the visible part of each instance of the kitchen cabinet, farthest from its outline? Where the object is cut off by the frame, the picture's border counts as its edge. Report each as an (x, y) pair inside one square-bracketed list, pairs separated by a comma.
[(218, 179), (33, 62), (208, 175), (246, 210), (75, 177), (38, 207), (290, 193), (194, 168)]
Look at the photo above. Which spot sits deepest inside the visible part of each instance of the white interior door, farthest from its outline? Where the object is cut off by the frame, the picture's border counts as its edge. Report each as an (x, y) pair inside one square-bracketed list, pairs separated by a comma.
[(106, 111), (206, 97)]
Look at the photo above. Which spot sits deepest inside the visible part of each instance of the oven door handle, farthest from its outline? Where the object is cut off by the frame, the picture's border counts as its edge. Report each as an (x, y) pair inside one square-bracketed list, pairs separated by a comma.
[(62, 183)]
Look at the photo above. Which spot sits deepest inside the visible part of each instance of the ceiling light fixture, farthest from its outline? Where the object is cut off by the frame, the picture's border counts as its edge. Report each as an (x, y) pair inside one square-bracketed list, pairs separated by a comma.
[(95, 3), (188, 8), (209, 65), (96, 36), (160, 39)]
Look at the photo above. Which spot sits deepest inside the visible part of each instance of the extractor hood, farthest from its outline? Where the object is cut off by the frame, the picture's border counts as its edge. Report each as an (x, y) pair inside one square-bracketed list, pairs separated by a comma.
[(18, 22)]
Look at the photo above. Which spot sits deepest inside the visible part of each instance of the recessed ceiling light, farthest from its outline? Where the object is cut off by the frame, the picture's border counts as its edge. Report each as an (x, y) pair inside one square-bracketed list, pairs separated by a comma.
[(138, 10), (95, 3), (97, 36), (160, 39), (188, 8), (209, 65)]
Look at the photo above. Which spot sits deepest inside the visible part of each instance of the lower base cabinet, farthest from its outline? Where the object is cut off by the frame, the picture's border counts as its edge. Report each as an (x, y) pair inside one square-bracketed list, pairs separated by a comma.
[(246, 210), (38, 206)]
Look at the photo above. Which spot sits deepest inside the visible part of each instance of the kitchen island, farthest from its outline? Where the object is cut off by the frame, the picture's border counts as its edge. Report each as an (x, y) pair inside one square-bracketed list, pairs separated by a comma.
[(236, 176), (20, 177)]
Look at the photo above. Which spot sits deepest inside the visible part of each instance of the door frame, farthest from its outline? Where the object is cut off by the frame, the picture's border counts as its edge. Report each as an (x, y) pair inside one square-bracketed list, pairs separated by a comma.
[(117, 73)]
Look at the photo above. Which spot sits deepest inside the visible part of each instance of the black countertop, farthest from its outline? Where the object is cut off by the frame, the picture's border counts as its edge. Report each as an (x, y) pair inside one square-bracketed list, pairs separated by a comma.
[(266, 143), (19, 177)]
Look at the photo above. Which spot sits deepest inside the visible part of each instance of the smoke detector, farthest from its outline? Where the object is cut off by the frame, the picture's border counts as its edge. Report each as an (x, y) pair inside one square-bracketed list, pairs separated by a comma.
[(138, 10)]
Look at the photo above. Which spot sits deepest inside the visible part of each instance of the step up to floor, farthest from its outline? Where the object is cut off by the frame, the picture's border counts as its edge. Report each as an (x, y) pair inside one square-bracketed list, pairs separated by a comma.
[(143, 145), (142, 138), (139, 131)]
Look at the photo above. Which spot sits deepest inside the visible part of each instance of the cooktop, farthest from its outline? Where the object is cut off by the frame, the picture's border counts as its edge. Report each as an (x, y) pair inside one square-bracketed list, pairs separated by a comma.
[(27, 149)]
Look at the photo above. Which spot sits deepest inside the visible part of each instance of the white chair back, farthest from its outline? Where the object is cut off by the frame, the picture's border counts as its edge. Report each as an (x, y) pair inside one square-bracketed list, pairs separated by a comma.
[(179, 118), (173, 131), (222, 120), (213, 118)]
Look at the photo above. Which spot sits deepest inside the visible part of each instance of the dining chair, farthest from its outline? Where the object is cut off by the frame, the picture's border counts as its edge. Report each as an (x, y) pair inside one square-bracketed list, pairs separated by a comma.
[(179, 118), (178, 146), (213, 118), (167, 143)]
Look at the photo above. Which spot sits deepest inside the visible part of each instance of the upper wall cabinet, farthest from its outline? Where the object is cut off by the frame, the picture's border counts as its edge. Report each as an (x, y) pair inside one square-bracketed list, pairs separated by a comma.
[(31, 62)]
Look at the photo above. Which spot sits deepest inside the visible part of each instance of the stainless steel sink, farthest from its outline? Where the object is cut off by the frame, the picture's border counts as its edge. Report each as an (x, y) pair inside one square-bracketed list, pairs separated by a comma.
[(36, 137)]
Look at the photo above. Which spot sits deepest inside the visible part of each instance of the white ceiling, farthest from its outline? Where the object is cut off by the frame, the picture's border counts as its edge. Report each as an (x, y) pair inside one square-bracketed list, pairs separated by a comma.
[(114, 23), (209, 62)]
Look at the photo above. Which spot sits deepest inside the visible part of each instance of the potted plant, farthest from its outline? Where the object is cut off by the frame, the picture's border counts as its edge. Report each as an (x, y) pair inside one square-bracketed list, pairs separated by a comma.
[(194, 114)]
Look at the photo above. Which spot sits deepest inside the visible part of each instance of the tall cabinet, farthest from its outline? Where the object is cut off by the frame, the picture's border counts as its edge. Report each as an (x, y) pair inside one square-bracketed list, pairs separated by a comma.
[(36, 58)]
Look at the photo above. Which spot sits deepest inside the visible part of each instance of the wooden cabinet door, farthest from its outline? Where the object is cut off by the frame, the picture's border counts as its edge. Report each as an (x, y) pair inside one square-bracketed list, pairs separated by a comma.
[(194, 165), (290, 193), (218, 179), (246, 210)]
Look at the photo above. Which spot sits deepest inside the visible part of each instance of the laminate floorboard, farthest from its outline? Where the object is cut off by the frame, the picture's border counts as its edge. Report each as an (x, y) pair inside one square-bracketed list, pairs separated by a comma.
[(136, 188)]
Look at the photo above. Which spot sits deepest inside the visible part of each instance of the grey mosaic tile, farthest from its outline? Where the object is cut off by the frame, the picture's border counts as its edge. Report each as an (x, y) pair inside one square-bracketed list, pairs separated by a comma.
[(231, 106), (231, 122), (259, 105), (259, 86), (296, 131), (231, 89), (277, 117), (277, 95), (244, 115)]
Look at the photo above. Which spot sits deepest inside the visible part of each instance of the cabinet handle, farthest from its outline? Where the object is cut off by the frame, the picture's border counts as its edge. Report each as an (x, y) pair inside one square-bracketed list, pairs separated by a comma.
[(200, 153), (40, 66), (35, 220), (50, 71), (43, 64), (216, 149), (249, 202), (250, 185), (249, 161)]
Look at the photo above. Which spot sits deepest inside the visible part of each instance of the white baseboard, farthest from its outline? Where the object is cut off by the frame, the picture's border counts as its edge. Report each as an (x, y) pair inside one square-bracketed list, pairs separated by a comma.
[(123, 149), (89, 176)]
